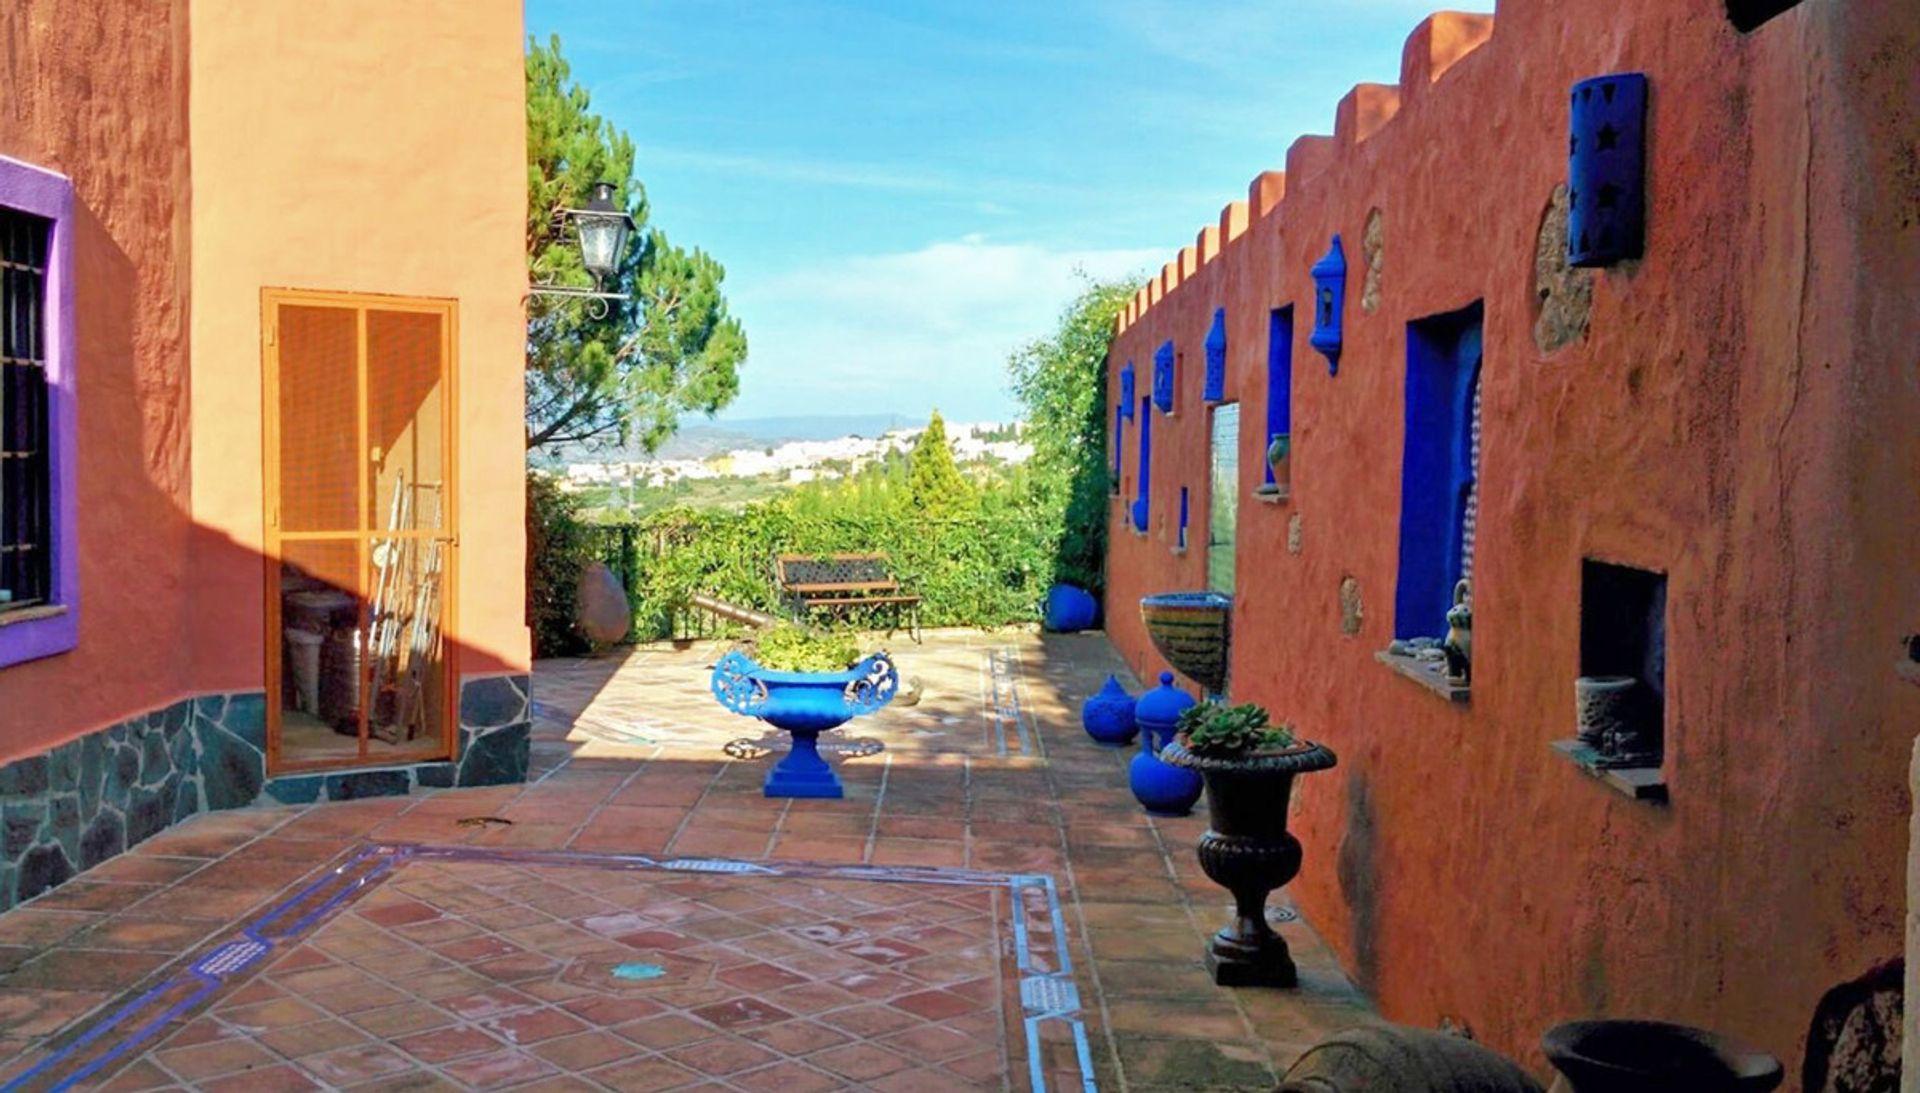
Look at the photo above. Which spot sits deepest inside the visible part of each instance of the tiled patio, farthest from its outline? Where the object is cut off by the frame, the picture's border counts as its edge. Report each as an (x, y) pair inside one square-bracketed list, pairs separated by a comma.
[(986, 909)]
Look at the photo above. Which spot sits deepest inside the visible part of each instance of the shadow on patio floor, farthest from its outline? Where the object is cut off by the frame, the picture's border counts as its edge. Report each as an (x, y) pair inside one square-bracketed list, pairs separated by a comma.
[(647, 920)]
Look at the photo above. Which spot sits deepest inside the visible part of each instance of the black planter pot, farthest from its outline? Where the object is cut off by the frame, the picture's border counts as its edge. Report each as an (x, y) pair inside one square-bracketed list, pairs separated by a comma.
[(1655, 1057), (1248, 850)]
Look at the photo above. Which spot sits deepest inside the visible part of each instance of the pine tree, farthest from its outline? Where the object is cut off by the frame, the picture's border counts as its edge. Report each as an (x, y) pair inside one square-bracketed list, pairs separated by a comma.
[(671, 349), (933, 480)]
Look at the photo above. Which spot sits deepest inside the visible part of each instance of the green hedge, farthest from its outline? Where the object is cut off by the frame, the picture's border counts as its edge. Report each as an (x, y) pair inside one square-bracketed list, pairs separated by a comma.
[(989, 569)]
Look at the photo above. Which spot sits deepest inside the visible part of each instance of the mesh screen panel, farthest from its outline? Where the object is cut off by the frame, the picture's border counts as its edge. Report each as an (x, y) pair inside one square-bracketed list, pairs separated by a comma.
[(319, 419)]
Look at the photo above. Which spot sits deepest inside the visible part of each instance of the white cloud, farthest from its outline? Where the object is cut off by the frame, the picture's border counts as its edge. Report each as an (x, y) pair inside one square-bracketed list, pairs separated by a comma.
[(911, 330)]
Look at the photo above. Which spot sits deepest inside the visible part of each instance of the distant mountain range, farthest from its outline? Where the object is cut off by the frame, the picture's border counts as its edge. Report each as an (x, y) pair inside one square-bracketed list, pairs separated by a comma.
[(698, 441)]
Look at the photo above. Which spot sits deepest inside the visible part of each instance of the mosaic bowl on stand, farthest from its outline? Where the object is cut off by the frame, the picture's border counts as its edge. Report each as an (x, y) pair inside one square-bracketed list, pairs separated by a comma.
[(1192, 631)]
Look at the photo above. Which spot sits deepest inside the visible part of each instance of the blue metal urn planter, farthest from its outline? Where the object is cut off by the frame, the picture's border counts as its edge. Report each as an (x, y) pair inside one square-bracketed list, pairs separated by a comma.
[(1161, 789), (804, 704), (1108, 715)]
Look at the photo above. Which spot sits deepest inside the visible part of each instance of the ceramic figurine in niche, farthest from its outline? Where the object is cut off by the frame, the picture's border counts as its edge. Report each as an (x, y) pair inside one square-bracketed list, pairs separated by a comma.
[(1458, 645), (1279, 456)]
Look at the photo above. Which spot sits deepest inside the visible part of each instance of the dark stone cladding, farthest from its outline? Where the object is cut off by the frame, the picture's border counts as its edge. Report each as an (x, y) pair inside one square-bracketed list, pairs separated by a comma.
[(72, 807)]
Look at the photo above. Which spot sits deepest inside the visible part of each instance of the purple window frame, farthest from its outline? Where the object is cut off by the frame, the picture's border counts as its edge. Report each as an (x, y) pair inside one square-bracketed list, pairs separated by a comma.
[(43, 193)]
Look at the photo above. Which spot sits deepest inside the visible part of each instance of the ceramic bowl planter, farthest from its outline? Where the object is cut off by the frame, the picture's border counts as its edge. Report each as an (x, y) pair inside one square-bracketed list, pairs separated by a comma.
[(1248, 850), (1654, 1057), (1108, 715), (1070, 609), (1161, 789), (1191, 630), (804, 704)]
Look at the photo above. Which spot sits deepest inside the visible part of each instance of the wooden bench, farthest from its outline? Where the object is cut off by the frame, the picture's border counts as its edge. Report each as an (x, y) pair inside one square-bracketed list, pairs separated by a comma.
[(839, 583)]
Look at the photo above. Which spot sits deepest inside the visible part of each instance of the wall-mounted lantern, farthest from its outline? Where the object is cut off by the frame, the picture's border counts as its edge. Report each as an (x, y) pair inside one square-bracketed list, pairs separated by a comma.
[(1163, 378), (601, 231), (1329, 303), (1217, 358), (1126, 391), (1606, 163)]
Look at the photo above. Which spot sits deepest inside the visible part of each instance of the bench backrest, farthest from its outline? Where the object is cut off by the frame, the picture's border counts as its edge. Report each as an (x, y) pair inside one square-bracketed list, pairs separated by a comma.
[(850, 571)]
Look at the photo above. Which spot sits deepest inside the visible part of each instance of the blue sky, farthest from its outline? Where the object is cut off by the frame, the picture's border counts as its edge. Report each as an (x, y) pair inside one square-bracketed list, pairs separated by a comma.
[(902, 192)]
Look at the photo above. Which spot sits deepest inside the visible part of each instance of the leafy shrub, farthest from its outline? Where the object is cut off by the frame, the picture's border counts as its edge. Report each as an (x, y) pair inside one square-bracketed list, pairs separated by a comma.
[(792, 648), (1223, 731), (1061, 381), (559, 546), (991, 569)]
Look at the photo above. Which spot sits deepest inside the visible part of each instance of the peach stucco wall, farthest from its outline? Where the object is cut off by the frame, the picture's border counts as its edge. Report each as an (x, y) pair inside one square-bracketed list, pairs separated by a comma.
[(358, 146), (98, 92), (1740, 415)]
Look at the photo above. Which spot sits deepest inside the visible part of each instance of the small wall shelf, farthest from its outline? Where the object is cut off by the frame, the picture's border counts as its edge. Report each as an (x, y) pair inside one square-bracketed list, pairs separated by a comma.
[(1639, 783), (1431, 674)]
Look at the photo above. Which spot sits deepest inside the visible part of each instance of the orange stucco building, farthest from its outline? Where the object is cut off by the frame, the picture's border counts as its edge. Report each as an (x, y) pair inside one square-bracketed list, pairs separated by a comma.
[(281, 311), (1703, 455)]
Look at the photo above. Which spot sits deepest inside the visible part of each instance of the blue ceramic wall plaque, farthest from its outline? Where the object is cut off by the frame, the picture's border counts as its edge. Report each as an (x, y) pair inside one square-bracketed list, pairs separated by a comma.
[(1217, 358), (1163, 377), (1329, 303), (1606, 184)]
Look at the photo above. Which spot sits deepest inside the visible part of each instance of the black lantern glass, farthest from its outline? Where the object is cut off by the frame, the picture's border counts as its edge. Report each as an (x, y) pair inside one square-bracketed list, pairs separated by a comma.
[(603, 228)]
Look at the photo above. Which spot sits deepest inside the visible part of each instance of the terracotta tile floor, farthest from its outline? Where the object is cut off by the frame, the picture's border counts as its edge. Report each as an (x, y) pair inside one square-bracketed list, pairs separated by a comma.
[(986, 909)]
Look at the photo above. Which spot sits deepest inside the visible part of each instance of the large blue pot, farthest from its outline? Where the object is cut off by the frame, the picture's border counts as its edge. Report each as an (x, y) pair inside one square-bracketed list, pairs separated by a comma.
[(1161, 789), (804, 704), (1108, 715), (1070, 608)]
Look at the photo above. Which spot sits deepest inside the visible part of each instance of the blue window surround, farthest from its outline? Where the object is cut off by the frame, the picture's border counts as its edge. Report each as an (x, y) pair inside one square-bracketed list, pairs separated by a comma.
[(1126, 391), (1119, 441), (1163, 377), (1279, 380), (1437, 469), (1180, 544), (1216, 388), (1144, 478), (49, 196)]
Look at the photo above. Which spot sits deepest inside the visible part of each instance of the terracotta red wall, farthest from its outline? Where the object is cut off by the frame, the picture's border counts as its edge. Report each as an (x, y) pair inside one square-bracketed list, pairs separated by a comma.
[(98, 92), (1740, 415)]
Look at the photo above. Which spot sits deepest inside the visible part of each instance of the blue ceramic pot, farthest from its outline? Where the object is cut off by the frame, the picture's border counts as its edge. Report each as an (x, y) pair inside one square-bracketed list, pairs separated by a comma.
[(1108, 715), (1070, 608), (1161, 789), (804, 704)]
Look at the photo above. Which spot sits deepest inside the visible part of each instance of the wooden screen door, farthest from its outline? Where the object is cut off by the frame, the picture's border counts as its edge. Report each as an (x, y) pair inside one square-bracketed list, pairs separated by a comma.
[(360, 489)]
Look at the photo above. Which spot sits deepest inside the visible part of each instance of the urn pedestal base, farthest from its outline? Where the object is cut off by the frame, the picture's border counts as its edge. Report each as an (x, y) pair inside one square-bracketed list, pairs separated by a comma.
[(1246, 952), (803, 773), (1235, 963)]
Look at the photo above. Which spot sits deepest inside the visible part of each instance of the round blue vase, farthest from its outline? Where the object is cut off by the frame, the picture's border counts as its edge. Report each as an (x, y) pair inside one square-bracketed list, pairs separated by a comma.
[(1108, 716), (1070, 608), (1161, 789)]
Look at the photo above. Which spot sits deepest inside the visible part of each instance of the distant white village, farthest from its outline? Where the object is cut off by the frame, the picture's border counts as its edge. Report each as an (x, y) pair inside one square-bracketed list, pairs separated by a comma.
[(798, 461)]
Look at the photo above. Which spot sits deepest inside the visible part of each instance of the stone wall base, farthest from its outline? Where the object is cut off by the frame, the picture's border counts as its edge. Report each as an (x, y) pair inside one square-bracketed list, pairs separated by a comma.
[(72, 807)]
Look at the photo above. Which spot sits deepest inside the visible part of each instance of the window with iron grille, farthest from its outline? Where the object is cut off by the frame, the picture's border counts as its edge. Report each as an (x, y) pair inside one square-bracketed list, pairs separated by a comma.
[(26, 510)]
